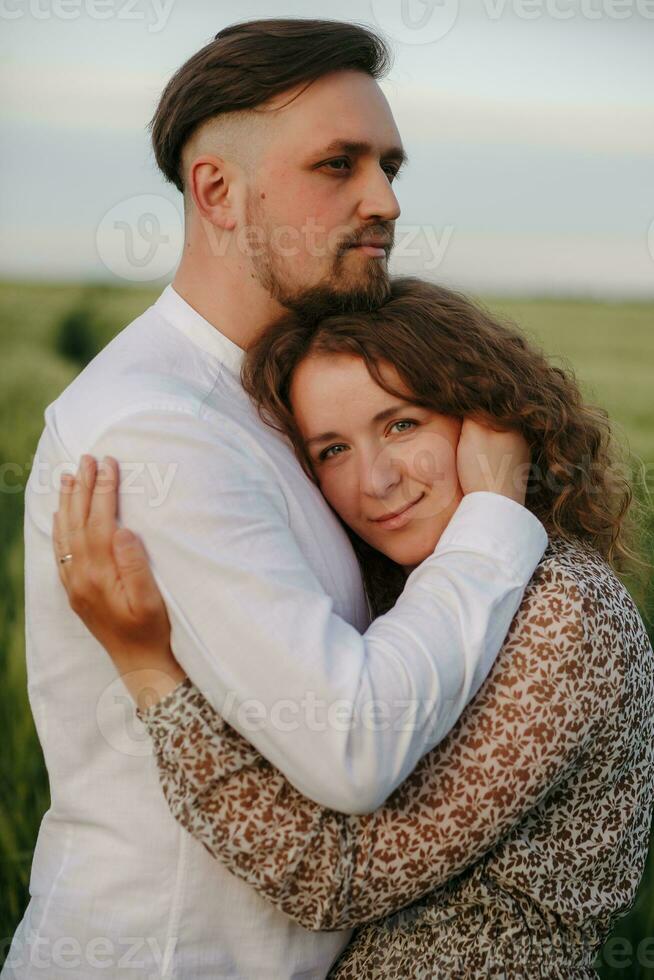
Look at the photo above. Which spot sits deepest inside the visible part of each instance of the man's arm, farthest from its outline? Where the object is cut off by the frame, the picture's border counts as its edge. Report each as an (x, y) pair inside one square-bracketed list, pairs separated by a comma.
[(546, 696), (251, 621)]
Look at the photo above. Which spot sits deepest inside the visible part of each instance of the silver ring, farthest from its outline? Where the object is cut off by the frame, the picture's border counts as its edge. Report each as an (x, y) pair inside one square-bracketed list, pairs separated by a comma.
[(65, 558)]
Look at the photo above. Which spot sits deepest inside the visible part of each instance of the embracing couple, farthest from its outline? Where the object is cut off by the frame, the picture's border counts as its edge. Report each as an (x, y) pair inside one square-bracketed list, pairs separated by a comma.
[(394, 707)]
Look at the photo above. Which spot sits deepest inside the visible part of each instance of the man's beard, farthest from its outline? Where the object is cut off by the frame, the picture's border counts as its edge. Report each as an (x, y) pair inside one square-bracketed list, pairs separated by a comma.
[(333, 294), (326, 298)]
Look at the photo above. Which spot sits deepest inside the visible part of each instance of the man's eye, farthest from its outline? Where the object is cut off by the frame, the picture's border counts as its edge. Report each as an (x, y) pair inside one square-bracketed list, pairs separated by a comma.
[(336, 164), (392, 173)]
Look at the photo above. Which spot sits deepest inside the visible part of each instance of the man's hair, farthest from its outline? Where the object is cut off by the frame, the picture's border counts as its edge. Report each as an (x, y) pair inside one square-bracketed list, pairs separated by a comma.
[(249, 63)]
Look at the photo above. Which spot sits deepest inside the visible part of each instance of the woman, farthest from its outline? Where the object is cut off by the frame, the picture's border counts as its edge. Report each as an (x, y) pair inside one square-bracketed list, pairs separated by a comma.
[(517, 842)]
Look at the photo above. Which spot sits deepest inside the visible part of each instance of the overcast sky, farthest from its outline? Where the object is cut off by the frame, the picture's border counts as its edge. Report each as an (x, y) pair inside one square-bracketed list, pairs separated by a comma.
[(529, 124)]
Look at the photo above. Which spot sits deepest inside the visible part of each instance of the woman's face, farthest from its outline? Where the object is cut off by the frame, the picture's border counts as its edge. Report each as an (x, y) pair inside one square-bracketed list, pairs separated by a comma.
[(376, 455)]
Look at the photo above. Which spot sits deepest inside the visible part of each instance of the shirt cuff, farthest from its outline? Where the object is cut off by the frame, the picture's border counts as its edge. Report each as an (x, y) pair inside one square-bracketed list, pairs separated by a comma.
[(498, 526)]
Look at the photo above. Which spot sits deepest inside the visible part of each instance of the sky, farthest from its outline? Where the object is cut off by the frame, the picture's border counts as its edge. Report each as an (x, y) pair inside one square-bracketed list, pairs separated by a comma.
[(529, 126)]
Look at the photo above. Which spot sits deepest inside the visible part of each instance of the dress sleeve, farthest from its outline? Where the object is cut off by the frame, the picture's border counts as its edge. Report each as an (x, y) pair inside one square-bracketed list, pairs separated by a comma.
[(520, 736), (251, 621)]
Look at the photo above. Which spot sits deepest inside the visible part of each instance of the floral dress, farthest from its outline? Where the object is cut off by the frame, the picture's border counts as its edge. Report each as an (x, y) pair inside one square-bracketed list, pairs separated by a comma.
[(514, 845)]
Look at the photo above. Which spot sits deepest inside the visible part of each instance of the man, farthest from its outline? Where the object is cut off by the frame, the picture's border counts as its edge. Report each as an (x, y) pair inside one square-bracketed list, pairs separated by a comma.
[(285, 149)]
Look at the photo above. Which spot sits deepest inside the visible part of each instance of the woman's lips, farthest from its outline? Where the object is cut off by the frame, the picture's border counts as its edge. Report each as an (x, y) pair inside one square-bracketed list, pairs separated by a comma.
[(398, 520)]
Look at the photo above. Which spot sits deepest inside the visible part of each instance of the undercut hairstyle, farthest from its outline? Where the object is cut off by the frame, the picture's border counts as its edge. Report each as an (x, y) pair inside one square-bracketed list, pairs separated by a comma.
[(248, 64)]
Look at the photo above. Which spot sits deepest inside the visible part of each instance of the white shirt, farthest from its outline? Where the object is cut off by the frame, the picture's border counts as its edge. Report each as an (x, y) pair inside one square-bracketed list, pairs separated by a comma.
[(269, 619)]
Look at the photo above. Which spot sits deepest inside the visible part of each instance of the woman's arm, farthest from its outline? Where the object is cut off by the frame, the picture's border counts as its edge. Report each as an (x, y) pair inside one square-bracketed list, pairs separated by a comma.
[(251, 619), (516, 741)]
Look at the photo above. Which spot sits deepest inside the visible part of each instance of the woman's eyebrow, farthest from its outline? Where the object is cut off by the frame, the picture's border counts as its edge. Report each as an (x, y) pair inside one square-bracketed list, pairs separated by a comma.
[(379, 417)]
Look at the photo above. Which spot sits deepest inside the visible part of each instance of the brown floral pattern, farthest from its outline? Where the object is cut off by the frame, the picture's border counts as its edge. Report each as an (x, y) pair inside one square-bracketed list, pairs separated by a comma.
[(513, 846)]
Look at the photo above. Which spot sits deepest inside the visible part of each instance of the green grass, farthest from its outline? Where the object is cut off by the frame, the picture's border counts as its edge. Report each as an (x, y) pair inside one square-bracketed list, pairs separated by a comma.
[(48, 332), (611, 348)]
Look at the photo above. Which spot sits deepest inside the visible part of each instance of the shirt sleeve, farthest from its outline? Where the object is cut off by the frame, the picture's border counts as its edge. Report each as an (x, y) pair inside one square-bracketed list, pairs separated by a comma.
[(537, 712), (256, 632)]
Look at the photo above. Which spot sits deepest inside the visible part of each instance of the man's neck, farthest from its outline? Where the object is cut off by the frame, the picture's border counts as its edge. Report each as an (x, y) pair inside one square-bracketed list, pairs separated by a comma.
[(239, 308)]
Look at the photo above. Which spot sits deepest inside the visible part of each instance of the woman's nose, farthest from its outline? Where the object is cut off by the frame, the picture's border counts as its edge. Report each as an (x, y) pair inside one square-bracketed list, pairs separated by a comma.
[(380, 474)]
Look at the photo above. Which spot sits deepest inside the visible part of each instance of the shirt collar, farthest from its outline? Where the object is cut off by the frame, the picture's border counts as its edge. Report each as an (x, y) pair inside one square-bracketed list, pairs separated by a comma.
[(199, 331)]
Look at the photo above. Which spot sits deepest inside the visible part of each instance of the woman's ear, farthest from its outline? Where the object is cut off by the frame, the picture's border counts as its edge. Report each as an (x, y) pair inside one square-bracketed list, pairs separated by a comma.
[(210, 182)]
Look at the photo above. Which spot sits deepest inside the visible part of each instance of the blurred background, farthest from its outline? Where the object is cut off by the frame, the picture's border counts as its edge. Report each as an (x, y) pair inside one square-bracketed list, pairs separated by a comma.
[(530, 131)]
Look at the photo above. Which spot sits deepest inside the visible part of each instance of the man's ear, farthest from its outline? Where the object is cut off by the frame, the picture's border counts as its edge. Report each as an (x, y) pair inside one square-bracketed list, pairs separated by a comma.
[(210, 183)]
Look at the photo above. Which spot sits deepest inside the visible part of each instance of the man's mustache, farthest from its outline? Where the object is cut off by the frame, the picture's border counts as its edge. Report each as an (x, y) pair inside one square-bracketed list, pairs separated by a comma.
[(380, 236)]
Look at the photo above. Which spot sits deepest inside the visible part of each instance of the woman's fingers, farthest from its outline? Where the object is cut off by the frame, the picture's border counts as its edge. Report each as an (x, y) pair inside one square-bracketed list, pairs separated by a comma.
[(82, 492), (74, 500), (101, 518), (493, 460), (61, 524), (108, 582), (103, 508), (59, 546), (66, 486), (84, 526), (141, 590)]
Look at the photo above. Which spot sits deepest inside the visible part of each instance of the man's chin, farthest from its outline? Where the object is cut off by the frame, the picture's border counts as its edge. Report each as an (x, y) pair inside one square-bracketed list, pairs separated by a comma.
[(341, 297)]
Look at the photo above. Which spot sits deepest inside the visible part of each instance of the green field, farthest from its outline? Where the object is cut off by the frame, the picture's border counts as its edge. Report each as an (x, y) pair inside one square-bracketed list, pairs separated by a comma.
[(48, 333)]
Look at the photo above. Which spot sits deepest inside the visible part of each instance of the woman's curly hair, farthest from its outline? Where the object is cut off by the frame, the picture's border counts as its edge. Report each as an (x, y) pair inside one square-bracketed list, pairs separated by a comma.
[(459, 360)]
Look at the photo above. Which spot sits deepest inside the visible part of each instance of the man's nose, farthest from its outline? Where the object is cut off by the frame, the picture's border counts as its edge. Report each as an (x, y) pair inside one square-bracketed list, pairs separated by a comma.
[(378, 199)]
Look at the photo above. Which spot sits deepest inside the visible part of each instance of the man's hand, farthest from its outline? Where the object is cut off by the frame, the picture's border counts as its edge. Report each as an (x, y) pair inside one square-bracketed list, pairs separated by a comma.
[(498, 462), (109, 582)]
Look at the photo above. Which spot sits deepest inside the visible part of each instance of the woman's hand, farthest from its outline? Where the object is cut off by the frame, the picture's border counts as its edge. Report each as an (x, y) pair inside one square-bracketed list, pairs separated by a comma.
[(109, 582), (493, 460)]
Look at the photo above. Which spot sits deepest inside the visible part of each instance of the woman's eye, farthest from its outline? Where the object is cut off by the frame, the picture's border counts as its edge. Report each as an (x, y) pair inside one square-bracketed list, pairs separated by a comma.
[(325, 454), (407, 422)]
